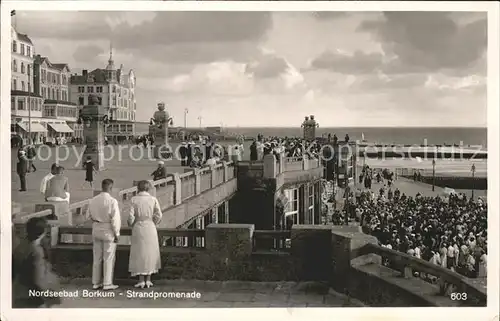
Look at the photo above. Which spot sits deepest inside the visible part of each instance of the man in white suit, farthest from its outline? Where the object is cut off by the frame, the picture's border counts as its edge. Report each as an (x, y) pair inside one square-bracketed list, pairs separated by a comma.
[(104, 212)]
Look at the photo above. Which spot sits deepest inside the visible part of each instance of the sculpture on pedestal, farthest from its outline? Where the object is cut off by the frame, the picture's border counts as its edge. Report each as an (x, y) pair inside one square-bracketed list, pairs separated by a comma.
[(94, 117), (310, 126), (159, 129)]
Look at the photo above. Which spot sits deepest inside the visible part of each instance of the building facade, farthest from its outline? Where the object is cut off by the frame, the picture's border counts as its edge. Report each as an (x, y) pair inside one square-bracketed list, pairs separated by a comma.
[(115, 90), (25, 104), (39, 95), (59, 113)]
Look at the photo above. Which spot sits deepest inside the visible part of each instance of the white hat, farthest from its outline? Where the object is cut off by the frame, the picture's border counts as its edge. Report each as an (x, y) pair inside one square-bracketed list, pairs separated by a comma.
[(22, 152), (161, 163)]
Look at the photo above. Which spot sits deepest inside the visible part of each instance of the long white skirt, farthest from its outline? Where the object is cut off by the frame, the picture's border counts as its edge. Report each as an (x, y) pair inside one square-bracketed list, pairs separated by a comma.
[(144, 249)]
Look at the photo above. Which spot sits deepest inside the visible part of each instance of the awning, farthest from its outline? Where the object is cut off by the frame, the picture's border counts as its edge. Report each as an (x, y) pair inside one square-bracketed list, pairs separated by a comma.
[(35, 127), (61, 128)]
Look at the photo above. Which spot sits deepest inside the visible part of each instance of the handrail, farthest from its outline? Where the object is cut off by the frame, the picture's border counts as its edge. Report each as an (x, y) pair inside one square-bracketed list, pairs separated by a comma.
[(412, 263), (27, 217), (78, 206)]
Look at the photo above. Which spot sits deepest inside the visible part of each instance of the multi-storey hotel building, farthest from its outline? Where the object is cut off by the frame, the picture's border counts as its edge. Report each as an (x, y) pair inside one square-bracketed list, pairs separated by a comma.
[(39, 94), (115, 90)]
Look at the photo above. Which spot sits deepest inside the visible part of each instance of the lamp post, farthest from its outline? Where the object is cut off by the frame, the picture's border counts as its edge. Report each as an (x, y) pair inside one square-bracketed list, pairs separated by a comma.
[(433, 174), (199, 118), (185, 117), (473, 169), (29, 103)]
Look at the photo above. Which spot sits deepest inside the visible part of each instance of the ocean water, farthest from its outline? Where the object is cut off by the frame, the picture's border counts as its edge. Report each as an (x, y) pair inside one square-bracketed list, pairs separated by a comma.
[(387, 135)]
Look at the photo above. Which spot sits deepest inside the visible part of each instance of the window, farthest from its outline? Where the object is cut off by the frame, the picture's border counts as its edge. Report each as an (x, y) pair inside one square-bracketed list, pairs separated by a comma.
[(14, 46), (310, 209), (12, 103), (14, 65), (14, 84), (114, 101), (100, 100), (28, 70), (114, 89), (28, 51), (292, 207), (20, 104), (22, 49), (81, 89), (23, 88), (81, 100), (22, 67), (53, 94), (49, 111), (58, 94), (98, 89), (90, 89), (32, 104)]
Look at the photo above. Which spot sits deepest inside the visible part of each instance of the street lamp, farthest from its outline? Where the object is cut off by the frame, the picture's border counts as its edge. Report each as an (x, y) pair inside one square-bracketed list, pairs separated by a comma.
[(185, 117), (29, 103), (199, 118), (473, 169), (433, 174)]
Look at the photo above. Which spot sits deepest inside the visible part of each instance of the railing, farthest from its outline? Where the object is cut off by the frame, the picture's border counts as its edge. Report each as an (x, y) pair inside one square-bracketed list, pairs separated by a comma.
[(446, 278), (274, 241), (177, 238), (168, 191), (263, 240)]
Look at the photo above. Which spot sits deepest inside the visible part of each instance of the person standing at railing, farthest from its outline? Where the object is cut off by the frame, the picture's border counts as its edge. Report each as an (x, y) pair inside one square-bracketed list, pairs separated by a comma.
[(145, 213), (253, 151), (160, 172), (104, 213)]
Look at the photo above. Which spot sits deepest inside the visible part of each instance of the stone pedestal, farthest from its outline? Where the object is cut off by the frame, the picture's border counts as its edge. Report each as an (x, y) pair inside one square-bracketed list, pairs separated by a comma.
[(92, 117), (312, 252), (230, 247)]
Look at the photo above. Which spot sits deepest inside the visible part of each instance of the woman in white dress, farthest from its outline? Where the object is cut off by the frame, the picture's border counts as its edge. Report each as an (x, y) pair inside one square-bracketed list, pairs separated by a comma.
[(145, 214)]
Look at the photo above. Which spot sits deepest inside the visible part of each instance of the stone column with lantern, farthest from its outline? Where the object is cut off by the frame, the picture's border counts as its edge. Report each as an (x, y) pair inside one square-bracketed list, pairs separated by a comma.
[(94, 117)]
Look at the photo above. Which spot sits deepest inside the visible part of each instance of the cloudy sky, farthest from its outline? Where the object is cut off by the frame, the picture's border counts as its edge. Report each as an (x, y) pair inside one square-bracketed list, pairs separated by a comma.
[(272, 69)]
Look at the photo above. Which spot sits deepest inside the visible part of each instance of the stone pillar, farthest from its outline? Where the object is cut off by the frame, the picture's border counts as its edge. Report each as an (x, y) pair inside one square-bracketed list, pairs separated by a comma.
[(177, 189), (226, 170), (229, 249), (92, 117), (305, 162), (60, 213), (213, 175), (197, 181), (346, 244), (311, 251), (270, 170)]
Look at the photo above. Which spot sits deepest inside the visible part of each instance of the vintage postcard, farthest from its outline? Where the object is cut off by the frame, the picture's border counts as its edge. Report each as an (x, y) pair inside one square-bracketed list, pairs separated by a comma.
[(202, 157)]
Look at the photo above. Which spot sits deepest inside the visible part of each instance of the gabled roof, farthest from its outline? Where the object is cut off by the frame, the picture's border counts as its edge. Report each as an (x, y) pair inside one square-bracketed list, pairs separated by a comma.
[(98, 74), (24, 38)]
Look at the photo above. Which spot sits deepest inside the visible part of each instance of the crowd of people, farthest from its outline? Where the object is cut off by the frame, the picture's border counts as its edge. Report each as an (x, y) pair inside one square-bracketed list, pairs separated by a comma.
[(450, 231)]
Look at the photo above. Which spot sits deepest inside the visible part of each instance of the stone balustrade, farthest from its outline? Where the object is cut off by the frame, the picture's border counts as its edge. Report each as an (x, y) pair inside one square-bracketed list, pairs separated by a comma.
[(171, 192), (341, 256)]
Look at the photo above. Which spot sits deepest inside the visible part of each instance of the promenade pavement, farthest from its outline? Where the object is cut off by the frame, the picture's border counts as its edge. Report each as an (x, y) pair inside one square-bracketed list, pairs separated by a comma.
[(123, 170), (213, 294)]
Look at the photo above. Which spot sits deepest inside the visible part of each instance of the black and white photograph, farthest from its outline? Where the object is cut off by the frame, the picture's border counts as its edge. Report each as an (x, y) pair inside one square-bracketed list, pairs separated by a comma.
[(274, 158)]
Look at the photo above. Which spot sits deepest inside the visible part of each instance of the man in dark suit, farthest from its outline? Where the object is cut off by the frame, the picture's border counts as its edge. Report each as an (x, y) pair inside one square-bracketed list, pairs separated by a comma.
[(22, 169)]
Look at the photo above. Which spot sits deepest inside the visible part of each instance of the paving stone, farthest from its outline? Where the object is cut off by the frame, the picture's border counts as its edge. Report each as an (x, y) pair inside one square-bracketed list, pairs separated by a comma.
[(236, 297), (209, 296), (306, 298)]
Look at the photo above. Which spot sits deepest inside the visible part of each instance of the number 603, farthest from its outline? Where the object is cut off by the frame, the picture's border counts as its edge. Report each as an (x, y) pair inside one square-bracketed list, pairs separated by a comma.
[(456, 296)]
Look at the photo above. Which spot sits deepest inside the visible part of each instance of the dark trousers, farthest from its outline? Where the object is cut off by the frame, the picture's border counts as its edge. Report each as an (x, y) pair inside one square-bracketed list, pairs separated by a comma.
[(31, 166), (22, 179)]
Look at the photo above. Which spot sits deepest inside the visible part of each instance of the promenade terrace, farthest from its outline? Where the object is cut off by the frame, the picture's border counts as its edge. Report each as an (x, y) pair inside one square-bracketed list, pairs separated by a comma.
[(203, 238)]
